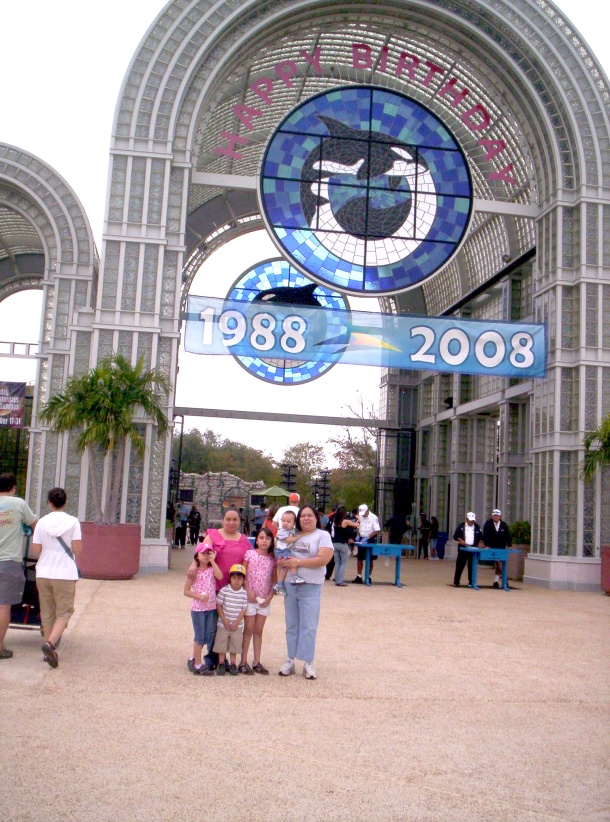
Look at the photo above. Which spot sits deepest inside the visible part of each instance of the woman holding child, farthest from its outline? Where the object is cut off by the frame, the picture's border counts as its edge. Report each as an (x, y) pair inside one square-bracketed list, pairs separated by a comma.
[(309, 557)]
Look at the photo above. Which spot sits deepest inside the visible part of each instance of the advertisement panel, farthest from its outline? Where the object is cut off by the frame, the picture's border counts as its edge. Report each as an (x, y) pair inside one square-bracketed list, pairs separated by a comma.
[(12, 400)]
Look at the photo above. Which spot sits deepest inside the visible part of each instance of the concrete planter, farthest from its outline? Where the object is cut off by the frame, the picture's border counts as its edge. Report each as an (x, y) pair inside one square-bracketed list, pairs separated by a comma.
[(110, 551), (516, 562), (605, 576)]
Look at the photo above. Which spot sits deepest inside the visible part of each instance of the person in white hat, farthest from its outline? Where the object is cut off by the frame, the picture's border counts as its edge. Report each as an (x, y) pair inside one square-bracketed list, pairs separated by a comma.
[(496, 534), (294, 502), (368, 528), (468, 534)]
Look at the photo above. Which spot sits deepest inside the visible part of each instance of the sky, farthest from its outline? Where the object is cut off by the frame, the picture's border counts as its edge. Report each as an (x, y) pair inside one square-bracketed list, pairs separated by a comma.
[(63, 64)]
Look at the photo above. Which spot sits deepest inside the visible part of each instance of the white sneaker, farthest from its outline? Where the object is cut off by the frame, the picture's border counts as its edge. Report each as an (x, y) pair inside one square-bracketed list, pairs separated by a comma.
[(287, 668), (309, 672)]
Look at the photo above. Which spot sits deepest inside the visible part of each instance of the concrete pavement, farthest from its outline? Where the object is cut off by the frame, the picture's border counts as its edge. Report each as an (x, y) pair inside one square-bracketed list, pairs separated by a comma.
[(431, 703)]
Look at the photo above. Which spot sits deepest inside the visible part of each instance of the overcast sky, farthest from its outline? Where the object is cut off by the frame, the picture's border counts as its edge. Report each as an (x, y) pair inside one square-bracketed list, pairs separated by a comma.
[(62, 65)]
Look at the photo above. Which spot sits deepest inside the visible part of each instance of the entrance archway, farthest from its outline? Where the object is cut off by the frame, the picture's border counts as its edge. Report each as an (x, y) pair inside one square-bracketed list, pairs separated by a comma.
[(529, 107)]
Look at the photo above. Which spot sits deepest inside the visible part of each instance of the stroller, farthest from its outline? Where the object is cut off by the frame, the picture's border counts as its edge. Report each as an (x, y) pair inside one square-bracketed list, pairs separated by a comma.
[(26, 614)]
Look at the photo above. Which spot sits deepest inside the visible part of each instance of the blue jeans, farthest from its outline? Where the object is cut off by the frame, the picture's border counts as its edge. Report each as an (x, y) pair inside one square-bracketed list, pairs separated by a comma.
[(204, 625), (302, 611), (341, 555)]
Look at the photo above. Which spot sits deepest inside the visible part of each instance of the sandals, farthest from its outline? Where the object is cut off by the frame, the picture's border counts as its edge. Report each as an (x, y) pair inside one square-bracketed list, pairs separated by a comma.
[(260, 669), (50, 654), (245, 669)]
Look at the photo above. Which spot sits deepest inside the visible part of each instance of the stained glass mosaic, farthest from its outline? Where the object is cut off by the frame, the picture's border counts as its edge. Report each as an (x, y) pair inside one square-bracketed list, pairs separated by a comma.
[(277, 281), (365, 190)]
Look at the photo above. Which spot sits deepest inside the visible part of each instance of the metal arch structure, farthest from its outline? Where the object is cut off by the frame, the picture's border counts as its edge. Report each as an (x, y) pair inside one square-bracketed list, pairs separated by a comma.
[(46, 243), (188, 135)]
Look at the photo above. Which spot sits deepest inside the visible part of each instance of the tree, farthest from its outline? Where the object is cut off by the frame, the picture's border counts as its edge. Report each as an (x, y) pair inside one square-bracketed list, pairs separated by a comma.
[(597, 450), (103, 406), (209, 452), (356, 453), (356, 449), (309, 460)]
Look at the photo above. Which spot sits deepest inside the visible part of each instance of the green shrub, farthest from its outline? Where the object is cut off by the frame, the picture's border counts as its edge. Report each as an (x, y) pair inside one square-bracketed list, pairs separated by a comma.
[(521, 532)]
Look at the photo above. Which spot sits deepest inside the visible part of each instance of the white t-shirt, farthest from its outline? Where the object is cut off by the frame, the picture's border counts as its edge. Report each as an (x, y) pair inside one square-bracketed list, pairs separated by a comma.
[(469, 535), (278, 517), (54, 562), (368, 524), (307, 546)]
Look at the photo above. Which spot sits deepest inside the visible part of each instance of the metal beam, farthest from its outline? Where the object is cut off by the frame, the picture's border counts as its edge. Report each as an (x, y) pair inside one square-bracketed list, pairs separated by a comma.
[(17, 349), (204, 178), (356, 422), (508, 209)]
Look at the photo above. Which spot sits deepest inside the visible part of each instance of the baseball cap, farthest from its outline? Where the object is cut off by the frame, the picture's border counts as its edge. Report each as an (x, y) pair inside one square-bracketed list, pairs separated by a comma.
[(496, 511), (362, 509), (294, 498), (237, 569), (471, 515)]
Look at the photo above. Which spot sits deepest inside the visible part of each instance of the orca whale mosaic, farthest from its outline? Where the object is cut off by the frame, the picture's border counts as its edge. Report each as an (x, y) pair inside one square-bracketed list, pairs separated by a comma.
[(272, 284), (365, 190)]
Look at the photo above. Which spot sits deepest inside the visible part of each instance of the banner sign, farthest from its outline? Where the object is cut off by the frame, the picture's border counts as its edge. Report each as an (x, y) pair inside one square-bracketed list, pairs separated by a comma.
[(276, 331), (12, 399)]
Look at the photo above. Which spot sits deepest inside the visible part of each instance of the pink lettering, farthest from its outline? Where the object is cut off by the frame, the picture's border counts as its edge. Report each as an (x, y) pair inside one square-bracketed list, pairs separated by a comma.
[(285, 70), (383, 62), (262, 88), (313, 59), (361, 56), (245, 114), (456, 96), (232, 139), (471, 118), (408, 62), (494, 147), (434, 69), (504, 174)]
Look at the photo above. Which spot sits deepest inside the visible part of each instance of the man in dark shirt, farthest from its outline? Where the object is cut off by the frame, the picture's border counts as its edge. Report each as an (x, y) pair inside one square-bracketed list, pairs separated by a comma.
[(468, 534), (424, 536), (496, 534)]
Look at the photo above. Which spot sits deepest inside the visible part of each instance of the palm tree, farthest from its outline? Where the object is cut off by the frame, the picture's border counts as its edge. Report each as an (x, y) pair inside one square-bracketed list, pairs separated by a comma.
[(597, 450), (103, 405)]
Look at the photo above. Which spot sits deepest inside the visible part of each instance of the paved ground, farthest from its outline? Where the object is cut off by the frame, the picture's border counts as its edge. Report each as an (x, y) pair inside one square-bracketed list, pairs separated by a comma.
[(432, 703)]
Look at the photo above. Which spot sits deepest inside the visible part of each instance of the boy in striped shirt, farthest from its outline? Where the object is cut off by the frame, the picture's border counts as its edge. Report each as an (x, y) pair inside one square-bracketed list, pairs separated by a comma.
[(231, 604)]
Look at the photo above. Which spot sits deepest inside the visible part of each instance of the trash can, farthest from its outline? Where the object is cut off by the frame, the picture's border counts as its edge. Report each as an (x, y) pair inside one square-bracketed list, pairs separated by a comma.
[(441, 541)]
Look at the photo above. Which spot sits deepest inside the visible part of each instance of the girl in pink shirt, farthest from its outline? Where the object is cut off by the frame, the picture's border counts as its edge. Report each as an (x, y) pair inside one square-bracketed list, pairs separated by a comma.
[(202, 590), (260, 579)]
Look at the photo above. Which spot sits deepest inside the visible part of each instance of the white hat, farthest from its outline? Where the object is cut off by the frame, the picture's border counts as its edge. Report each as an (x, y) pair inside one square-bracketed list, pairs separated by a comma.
[(362, 509), (471, 516), (496, 511)]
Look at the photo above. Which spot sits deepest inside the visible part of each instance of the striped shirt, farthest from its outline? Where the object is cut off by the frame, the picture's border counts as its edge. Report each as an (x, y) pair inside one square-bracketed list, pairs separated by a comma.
[(232, 602)]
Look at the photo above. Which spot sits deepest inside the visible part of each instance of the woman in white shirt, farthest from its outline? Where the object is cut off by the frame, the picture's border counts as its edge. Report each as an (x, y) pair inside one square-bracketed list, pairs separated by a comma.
[(310, 555)]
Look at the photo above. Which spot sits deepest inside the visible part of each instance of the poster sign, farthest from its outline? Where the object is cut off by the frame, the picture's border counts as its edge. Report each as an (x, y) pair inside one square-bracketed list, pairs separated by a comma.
[(12, 400), (450, 344)]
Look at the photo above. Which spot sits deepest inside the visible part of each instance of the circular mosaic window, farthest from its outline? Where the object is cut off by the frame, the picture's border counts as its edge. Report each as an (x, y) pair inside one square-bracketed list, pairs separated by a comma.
[(365, 190), (276, 281)]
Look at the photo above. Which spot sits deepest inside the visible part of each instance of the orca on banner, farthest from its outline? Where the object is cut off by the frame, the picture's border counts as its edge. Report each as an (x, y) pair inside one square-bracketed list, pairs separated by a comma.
[(272, 331)]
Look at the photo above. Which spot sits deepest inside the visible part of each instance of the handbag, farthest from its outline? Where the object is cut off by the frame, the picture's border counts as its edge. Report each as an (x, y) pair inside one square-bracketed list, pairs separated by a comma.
[(68, 552)]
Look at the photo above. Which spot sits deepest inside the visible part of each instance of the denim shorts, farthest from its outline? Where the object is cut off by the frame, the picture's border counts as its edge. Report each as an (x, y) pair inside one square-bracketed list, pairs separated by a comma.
[(204, 626), (282, 553)]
